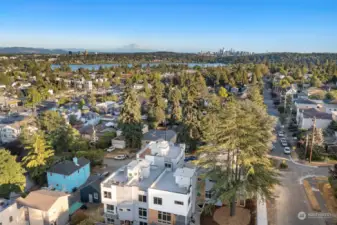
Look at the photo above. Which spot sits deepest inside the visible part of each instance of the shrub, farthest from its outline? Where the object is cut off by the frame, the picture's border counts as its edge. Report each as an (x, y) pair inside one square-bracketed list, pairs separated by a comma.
[(105, 140), (78, 217), (95, 156), (283, 165)]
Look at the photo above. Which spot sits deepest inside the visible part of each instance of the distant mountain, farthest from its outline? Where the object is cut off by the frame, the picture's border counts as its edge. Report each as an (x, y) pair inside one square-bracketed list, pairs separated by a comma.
[(24, 50), (132, 48)]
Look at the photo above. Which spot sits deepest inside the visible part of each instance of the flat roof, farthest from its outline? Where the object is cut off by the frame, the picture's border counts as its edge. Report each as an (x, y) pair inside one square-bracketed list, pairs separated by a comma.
[(168, 183), (145, 183), (159, 148), (154, 135), (119, 177)]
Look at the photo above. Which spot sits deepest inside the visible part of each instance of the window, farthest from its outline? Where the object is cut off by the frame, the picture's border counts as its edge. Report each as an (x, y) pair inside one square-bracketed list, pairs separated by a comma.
[(142, 198), (168, 165), (11, 219), (95, 195), (189, 200), (110, 208), (121, 210), (242, 202), (164, 217), (208, 194), (157, 201), (107, 194), (178, 203), (128, 210), (53, 223), (110, 220), (142, 223), (142, 213)]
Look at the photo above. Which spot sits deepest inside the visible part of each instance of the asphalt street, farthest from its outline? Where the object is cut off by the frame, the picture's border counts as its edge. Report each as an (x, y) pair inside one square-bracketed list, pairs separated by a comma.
[(291, 198)]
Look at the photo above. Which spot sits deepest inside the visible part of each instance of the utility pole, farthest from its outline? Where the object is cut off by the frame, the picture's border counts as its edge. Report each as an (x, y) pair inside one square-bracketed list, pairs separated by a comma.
[(313, 138), (306, 146)]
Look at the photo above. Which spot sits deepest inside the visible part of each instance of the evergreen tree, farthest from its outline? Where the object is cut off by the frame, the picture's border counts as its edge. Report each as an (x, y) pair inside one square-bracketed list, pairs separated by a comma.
[(157, 104), (12, 178), (191, 133), (235, 154), (51, 120), (92, 99), (130, 119), (147, 89), (33, 98), (175, 99)]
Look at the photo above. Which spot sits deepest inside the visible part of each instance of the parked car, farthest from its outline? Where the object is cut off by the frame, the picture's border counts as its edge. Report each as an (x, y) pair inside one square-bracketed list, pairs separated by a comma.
[(284, 143), (283, 140), (287, 150), (110, 149), (120, 157), (281, 134), (190, 158)]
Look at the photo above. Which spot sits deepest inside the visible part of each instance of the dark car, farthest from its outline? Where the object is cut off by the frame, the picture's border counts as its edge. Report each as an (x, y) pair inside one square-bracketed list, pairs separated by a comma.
[(190, 158)]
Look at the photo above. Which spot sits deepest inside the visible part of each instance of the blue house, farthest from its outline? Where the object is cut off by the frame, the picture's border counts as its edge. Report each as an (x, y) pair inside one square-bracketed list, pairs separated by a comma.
[(67, 175)]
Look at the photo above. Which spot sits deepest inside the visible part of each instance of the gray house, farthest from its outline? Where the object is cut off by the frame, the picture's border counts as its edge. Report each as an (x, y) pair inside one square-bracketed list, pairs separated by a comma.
[(92, 192), (155, 135)]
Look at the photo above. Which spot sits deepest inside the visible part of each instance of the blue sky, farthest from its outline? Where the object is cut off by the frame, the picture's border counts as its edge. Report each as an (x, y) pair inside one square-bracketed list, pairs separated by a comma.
[(176, 25)]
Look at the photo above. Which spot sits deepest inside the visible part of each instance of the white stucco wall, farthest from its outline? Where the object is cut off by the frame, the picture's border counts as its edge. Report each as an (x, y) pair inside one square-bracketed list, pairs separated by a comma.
[(13, 211), (168, 204), (307, 123)]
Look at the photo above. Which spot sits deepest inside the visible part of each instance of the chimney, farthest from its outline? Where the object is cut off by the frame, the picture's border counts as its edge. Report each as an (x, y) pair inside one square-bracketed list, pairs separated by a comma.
[(75, 160)]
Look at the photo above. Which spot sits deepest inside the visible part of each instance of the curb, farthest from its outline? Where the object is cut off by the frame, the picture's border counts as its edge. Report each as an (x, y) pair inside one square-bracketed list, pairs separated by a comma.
[(301, 164)]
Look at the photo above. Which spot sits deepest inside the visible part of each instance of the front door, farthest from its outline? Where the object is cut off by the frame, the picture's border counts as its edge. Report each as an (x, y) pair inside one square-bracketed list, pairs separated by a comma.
[(90, 198)]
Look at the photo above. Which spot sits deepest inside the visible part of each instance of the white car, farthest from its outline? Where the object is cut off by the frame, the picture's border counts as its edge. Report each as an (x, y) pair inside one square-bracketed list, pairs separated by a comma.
[(287, 150), (110, 149), (120, 157), (281, 134), (283, 140), (284, 143)]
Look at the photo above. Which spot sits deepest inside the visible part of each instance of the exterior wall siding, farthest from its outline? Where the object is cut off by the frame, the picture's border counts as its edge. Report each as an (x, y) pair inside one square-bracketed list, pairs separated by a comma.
[(16, 213), (67, 183), (90, 190)]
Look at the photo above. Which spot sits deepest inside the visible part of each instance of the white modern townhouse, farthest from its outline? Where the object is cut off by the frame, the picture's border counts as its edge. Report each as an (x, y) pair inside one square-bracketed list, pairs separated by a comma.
[(156, 188)]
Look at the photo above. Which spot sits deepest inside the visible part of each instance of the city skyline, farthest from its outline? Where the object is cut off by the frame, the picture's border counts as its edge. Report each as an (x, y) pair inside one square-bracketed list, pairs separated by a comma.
[(189, 26)]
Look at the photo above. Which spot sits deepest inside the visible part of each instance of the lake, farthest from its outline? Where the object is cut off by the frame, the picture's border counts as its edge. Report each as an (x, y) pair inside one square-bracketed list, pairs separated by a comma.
[(75, 67)]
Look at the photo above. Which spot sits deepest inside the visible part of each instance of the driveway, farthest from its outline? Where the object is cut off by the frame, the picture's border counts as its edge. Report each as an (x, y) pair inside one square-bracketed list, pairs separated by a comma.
[(290, 196), (113, 164)]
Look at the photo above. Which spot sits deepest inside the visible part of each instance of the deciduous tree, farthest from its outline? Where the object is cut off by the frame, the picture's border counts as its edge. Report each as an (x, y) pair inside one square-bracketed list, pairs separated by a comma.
[(12, 178)]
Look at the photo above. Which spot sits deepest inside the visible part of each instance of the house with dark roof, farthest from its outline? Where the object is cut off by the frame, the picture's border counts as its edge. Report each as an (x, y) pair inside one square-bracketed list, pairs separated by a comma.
[(307, 117), (92, 191), (155, 135), (69, 175)]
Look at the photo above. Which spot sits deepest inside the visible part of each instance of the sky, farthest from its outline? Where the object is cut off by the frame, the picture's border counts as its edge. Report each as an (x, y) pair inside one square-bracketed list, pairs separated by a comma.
[(171, 25)]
